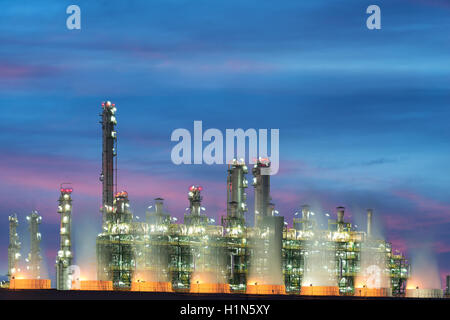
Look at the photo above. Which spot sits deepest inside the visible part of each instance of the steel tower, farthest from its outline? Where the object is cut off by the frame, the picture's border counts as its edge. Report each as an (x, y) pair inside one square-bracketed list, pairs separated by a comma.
[(116, 245), (14, 247), (109, 158), (262, 191), (34, 257), (236, 195), (195, 216), (64, 258)]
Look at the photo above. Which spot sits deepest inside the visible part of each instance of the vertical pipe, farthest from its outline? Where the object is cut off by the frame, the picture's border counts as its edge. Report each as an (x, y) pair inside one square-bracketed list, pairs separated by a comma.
[(369, 222), (236, 185), (64, 257), (340, 218), (262, 190), (305, 212), (305, 217), (340, 214)]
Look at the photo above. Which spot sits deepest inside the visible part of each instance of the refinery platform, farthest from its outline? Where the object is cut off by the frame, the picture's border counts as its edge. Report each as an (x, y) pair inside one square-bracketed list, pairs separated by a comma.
[(159, 259)]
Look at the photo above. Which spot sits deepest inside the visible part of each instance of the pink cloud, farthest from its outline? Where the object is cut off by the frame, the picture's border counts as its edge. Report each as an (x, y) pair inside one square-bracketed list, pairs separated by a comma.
[(37, 180), (422, 202), (10, 71)]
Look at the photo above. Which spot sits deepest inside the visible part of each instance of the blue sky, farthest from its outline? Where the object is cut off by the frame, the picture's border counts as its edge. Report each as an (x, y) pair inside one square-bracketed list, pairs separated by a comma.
[(363, 115)]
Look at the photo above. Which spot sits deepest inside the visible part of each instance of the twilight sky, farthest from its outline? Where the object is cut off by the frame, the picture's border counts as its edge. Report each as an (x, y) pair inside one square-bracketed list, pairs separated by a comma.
[(363, 115)]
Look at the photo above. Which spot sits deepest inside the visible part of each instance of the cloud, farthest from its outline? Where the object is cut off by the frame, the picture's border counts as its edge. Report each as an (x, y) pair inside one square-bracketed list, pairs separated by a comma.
[(15, 71)]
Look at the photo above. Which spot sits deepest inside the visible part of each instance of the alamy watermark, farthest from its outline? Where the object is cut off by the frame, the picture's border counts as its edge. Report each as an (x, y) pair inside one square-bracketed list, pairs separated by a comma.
[(74, 20), (374, 20), (213, 153)]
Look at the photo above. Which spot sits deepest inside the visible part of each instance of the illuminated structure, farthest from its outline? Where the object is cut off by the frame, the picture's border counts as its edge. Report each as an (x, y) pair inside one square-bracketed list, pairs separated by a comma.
[(31, 278), (115, 249), (195, 218), (447, 285), (234, 226), (236, 196), (108, 176), (14, 247), (261, 182), (158, 254), (116, 245), (34, 257), (64, 257)]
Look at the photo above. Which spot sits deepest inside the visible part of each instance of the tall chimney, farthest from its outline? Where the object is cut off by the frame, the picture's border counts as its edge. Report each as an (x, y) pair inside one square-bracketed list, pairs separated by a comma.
[(305, 212), (159, 202), (369, 223), (340, 214)]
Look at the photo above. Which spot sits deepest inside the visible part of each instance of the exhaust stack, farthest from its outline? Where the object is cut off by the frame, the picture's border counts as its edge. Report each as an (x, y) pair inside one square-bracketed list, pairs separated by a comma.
[(369, 223), (305, 212), (340, 218), (340, 215)]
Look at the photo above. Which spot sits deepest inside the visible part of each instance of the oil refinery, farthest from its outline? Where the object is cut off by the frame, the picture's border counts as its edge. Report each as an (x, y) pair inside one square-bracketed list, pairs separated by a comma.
[(202, 256)]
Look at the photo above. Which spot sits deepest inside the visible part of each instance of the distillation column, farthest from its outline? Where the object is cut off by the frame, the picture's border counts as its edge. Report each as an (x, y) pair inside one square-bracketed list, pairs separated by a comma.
[(262, 191), (109, 155), (14, 247), (115, 246), (64, 258), (195, 216), (109, 183), (34, 257), (236, 195), (369, 223)]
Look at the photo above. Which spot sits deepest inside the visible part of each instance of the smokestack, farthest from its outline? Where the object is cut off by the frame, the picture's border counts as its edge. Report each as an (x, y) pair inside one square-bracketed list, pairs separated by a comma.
[(369, 223), (159, 206), (305, 212), (261, 183), (340, 214)]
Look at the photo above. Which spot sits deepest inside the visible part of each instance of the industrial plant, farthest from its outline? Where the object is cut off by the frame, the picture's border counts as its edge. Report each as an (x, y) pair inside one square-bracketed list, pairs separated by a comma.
[(201, 255)]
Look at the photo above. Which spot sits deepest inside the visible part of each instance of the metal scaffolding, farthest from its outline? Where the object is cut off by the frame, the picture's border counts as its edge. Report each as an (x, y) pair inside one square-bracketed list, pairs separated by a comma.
[(116, 245), (34, 257), (196, 252), (261, 182), (14, 247), (108, 176), (64, 257)]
